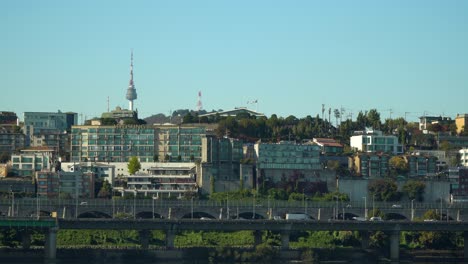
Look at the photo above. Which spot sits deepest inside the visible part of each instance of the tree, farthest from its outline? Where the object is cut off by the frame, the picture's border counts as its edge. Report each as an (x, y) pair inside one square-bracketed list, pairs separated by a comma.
[(4, 157), (384, 190), (414, 189), (105, 191), (108, 121), (398, 164), (133, 165), (373, 117), (156, 158)]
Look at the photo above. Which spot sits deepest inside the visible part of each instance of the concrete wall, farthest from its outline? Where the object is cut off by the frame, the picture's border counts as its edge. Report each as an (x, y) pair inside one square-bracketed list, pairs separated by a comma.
[(435, 190), (356, 189)]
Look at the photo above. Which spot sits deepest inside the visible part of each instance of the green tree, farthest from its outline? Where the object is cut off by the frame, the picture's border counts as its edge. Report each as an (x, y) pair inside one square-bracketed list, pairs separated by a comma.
[(4, 157), (105, 191), (156, 158), (414, 189), (398, 164), (373, 118), (383, 189), (133, 165)]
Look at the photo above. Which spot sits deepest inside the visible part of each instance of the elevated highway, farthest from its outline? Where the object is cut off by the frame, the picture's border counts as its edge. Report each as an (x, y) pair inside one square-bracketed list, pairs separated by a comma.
[(183, 209), (283, 227)]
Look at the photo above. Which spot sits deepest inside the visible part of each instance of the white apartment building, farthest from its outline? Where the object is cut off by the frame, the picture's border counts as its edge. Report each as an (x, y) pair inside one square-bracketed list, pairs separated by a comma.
[(374, 141), (464, 157)]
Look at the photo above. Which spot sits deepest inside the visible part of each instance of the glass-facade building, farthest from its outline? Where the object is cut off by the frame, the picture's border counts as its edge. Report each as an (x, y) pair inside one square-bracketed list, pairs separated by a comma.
[(148, 143)]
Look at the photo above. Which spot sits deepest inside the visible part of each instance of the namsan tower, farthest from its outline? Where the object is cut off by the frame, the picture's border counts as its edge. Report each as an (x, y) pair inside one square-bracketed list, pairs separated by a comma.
[(131, 92)]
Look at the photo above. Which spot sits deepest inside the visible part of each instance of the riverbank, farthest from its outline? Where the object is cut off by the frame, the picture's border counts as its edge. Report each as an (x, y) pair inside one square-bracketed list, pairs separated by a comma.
[(222, 255)]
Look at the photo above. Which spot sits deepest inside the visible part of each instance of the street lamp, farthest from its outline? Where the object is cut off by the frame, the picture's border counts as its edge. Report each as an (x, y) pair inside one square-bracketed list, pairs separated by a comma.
[(412, 210), (153, 207), (441, 209), (134, 205), (191, 208), (12, 202), (365, 207), (373, 204)]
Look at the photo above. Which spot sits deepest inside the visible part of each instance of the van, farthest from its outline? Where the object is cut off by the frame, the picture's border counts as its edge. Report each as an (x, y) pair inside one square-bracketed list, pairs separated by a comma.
[(297, 217)]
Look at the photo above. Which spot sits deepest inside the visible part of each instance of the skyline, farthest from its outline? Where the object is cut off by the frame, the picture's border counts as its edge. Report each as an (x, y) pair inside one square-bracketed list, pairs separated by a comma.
[(291, 57)]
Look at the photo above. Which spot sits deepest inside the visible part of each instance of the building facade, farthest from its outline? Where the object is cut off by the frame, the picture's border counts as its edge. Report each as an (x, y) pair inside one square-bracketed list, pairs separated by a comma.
[(162, 181), (56, 140), (370, 165), (463, 157), (421, 166), (12, 140), (461, 121), (328, 146), (8, 118), (31, 161), (286, 160), (149, 143), (220, 164), (375, 141), (74, 185)]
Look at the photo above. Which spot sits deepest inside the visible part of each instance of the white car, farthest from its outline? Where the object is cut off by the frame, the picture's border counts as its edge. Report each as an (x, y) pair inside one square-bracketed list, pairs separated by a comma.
[(376, 218), (397, 206)]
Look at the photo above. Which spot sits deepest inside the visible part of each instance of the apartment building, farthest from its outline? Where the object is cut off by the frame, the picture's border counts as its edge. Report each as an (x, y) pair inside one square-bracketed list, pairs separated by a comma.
[(162, 180), (75, 184), (149, 143), (32, 160), (370, 165), (374, 141), (461, 121)]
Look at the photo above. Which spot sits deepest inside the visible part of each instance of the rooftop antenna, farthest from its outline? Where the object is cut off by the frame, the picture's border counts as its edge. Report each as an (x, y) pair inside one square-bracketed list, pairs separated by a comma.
[(108, 104)]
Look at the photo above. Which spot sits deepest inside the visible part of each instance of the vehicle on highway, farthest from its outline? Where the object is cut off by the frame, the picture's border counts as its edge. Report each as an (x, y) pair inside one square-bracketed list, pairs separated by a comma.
[(376, 218), (297, 217), (277, 217), (205, 218), (357, 218), (397, 206), (430, 220)]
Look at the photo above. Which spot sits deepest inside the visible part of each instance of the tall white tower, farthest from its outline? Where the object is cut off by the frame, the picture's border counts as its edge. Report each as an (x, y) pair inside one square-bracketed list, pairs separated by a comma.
[(131, 92)]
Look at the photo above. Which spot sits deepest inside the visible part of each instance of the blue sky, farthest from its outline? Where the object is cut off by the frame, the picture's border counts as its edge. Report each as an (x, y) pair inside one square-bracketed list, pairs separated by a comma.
[(292, 56)]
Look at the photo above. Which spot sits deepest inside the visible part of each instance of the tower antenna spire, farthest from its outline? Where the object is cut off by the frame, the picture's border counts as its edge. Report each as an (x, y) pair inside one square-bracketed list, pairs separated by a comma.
[(131, 91), (199, 103)]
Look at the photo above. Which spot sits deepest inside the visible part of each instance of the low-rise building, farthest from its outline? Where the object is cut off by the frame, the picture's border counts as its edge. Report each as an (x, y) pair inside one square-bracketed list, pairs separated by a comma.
[(101, 171), (75, 184), (289, 163), (463, 157), (328, 146), (32, 160), (426, 121), (59, 141), (421, 165), (454, 141), (12, 140), (370, 165), (461, 121), (162, 180), (374, 141)]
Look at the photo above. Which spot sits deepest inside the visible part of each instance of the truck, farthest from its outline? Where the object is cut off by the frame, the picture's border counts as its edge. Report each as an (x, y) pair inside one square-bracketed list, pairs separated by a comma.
[(297, 217)]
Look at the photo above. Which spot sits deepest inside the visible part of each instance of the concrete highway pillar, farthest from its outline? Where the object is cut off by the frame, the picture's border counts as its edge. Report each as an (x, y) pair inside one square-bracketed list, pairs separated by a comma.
[(395, 245), (257, 237), (25, 239), (144, 236), (170, 236), (285, 240), (51, 243), (365, 238)]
